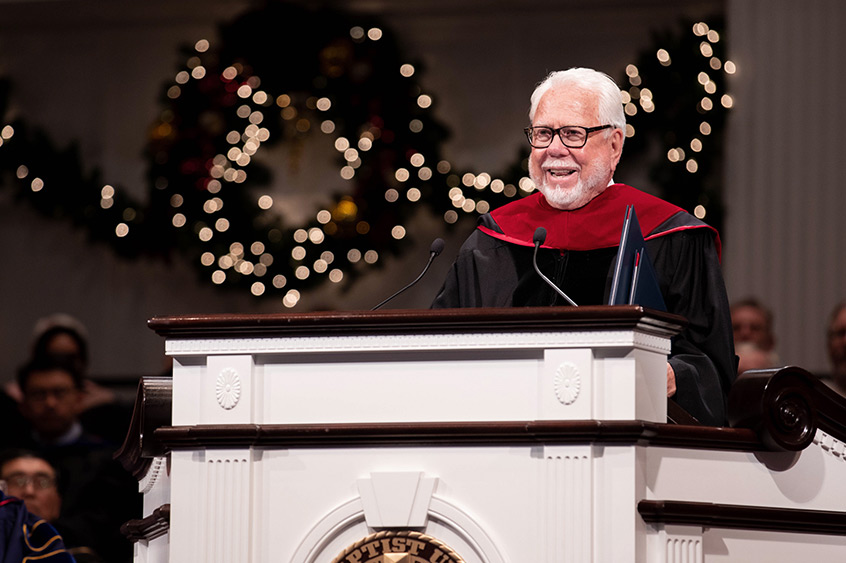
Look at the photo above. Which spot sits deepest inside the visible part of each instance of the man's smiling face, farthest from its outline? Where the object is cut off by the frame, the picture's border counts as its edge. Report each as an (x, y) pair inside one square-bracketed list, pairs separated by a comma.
[(570, 178)]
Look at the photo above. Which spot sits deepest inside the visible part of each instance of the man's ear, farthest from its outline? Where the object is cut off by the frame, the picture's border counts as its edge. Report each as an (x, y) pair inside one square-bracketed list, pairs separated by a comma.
[(617, 138)]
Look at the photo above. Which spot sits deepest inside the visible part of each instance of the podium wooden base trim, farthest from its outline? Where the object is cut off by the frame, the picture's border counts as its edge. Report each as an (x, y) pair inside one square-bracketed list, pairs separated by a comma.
[(713, 515), (458, 433), (153, 526)]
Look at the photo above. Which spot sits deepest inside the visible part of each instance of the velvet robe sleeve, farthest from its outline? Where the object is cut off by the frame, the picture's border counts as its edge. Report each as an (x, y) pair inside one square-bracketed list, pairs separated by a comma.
[(702, 354)]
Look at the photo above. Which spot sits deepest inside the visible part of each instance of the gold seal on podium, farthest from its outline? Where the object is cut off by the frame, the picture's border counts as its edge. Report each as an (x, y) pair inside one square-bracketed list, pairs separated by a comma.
[(398, 547)]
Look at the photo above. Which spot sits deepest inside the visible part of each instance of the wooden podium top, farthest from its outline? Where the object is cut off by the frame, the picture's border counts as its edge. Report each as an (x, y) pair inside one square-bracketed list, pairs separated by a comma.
[(423, 321)]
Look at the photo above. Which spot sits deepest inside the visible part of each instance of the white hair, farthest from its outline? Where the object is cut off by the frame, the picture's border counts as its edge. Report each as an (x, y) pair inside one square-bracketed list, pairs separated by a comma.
[(598, 83)]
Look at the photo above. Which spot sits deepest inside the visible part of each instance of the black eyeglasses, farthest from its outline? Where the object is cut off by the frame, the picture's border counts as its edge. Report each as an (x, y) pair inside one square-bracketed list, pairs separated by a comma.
[(41, 395), (572, 136), (41, 481)]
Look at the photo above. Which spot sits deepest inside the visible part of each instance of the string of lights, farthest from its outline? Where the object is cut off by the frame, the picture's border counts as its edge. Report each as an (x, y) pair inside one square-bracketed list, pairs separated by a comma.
[(677, 96)]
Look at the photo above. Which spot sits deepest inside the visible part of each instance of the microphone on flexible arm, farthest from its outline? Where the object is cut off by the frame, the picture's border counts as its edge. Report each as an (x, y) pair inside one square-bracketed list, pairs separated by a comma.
[(538, 238), (434, 250)]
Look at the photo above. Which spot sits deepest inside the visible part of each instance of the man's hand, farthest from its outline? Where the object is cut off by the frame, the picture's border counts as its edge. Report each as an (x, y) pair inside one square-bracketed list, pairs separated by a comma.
[(671, 381)]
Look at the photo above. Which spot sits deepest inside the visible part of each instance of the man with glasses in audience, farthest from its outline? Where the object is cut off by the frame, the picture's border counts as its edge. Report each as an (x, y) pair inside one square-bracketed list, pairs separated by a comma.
[(576, 134), (52, 400), (32, 479), (25, 535)]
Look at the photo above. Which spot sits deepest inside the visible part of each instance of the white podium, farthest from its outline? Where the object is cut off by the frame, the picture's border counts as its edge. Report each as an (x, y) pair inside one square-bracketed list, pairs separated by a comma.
[(475, 436)]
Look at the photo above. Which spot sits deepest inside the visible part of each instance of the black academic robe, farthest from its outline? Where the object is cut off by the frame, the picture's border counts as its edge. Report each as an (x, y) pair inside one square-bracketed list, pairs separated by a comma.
[(494, 269)]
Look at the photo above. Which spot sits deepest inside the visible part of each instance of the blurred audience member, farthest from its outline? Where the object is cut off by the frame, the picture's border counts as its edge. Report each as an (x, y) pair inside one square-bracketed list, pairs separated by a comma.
[(61, 336), (754, 341), (65, 339), (753, 357), (51, 400), (837, 348), (58, 336), (752, 322)]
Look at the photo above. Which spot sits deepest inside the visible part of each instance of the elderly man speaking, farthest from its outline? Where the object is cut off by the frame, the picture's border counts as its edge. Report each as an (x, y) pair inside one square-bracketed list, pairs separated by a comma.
[(577, 134)]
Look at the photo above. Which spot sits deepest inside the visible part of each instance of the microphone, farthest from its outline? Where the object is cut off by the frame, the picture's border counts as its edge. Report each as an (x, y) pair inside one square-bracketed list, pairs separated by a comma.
[(434, 250), (538, 238)]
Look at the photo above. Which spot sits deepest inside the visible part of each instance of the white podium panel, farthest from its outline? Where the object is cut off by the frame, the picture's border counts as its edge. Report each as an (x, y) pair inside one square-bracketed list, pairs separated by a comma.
[(445, 376)]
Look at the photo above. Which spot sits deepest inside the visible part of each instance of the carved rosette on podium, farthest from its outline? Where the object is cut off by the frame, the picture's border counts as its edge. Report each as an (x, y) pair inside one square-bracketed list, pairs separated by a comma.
[(463, 436)]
